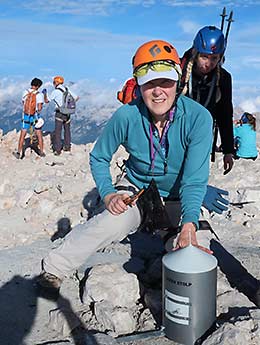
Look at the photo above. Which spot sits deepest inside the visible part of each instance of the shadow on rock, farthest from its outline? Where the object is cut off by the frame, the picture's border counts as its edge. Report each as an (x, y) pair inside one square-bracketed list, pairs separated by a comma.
[(18, 303), (234, 313), (147, 251), (79, 333), (237, 275), (64, 227), (93, 203)]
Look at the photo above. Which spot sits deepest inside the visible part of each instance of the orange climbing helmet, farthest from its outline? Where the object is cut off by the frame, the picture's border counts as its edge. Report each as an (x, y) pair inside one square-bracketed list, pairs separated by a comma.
[(156, 59), (156, 50), (58, 79)]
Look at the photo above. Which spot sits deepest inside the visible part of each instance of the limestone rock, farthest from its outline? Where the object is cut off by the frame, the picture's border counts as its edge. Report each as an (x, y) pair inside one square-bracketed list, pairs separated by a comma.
[(115, 320), (112, 283), (23, 197), (7, 203)]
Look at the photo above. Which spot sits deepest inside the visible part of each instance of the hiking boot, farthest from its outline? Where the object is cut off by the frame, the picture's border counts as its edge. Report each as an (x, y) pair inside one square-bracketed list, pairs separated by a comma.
[(66, 149), (56, 153), (42, 154), (17, 154), (49, 285)]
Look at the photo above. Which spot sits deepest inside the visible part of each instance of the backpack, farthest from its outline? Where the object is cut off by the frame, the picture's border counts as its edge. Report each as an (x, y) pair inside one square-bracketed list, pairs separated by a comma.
[(30, 103), (68, 106), (128, 92)]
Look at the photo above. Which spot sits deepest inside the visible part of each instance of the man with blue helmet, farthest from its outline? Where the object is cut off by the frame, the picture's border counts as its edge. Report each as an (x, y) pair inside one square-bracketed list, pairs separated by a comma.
[(207, 82)]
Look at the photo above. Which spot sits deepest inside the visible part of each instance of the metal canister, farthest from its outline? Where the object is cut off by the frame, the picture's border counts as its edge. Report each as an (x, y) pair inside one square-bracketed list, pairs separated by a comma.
[(189, 294)]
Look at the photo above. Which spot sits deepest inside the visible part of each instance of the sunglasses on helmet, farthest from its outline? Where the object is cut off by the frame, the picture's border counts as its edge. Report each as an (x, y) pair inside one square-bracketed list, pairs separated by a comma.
[(156, 66)]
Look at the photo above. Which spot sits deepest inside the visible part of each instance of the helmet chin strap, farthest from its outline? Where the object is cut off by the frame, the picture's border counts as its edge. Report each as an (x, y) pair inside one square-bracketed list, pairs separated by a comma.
[(178, 93)]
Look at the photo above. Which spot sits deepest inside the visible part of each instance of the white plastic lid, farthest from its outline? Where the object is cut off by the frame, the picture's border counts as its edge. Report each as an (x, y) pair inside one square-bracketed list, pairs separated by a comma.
[(189, 260)]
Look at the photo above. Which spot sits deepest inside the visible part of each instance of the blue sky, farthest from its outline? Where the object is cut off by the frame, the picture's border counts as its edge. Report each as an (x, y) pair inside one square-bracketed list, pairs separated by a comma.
[(95, 40)]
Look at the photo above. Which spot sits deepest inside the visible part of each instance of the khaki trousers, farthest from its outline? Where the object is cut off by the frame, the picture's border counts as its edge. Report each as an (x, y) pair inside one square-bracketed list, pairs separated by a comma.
[(85, 239), (100, 231)]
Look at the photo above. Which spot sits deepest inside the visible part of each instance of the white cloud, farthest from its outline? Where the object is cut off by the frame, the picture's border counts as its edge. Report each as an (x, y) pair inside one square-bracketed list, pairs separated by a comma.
[(246, 96), (89, 52), (91, 94), (208, 3), (251, 105), (251, 61), (188, 26), (11, 89), (201, 3), (83, 7), (106, 7), (76, 7)]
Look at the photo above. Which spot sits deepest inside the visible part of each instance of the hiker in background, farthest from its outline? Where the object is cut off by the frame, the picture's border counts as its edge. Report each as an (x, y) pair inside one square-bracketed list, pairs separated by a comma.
[(168, 141), (65, 102), (245, 137), (32, 105), (207, 82)]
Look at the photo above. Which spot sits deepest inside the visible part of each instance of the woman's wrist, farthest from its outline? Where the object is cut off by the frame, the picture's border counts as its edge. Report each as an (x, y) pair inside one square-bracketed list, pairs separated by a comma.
[(189, 227)]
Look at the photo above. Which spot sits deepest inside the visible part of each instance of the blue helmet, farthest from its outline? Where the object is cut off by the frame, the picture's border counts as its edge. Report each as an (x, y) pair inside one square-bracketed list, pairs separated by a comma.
[(209, 40), (244, 118)]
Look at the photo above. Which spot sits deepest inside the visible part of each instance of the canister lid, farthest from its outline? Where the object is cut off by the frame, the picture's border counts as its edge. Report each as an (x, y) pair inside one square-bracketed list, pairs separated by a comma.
[(189, 260)]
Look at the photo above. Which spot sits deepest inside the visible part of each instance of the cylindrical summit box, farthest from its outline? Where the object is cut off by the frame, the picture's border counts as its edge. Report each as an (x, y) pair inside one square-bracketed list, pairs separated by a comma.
[(189, 294)]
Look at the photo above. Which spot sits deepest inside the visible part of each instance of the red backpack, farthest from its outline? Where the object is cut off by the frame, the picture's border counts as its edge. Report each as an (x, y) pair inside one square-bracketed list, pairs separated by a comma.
[(30, 104), (128, 92)]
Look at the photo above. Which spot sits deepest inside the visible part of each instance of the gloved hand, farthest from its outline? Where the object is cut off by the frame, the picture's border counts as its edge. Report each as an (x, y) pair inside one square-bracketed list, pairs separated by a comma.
[(44, 91), (213, 200)]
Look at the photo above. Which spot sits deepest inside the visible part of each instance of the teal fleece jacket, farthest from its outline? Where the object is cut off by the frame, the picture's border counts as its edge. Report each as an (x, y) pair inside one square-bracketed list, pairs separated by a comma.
[(183, 174), (245, 138)]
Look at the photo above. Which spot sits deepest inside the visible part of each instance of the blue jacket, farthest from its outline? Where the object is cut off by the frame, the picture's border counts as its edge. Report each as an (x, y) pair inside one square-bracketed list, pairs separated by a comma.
[(245, 138), (189, 137)]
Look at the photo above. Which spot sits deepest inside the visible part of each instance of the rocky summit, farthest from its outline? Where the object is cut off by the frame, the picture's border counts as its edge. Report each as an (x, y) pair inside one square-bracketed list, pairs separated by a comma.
[(116, 296)]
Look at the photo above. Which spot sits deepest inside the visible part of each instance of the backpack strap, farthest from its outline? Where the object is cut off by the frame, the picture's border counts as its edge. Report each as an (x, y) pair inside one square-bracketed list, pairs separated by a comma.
[(24, 97), (57, 88)]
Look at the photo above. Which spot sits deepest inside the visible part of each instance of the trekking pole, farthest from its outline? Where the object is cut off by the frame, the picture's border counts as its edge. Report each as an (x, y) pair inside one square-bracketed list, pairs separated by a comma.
[(229, 20), (223, 15), (214, 145)]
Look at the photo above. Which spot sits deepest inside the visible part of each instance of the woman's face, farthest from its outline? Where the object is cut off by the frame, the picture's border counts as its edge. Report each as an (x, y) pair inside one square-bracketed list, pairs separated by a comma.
[(159, 96), (206, 63)]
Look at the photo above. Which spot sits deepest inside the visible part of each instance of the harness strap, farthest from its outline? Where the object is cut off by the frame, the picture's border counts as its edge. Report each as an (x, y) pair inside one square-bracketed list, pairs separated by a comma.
[(58, 119), (212, 86), (28, 122)]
